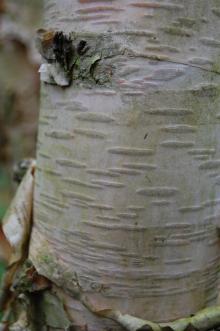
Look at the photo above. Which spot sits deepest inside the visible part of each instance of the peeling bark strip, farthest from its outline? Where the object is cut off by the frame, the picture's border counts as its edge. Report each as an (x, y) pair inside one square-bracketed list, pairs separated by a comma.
[(17, 222), (16, 226), (204, 320), (130, 221)]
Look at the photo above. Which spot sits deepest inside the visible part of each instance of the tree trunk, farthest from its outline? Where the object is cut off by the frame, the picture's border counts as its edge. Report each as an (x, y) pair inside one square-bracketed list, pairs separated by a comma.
[(127, 183)]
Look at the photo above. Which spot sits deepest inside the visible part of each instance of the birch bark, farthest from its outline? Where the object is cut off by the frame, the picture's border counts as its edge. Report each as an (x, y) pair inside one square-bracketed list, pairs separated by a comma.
[(127, 182)]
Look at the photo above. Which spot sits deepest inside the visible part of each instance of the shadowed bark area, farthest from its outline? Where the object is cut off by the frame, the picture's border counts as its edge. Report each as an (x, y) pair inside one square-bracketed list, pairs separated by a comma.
[(127, 181)]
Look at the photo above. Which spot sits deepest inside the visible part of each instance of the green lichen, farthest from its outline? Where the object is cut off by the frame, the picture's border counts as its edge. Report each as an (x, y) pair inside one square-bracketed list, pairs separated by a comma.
[(216, 65), (21, 283), (177, 31), (206, 90), (85, 67), (48, 262), (186, 21), (54, 313), (96, 66), (47, 265)]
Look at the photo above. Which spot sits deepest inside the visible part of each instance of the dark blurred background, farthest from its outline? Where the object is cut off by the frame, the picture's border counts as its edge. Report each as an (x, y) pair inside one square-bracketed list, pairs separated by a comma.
[(19, 88), (19, 95)]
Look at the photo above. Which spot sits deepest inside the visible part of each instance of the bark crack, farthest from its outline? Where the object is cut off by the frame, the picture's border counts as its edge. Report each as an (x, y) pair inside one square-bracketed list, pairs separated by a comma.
[(165, 59)]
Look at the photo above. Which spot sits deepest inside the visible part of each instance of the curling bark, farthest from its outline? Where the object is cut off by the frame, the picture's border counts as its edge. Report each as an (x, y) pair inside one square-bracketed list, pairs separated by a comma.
[(127, 182)]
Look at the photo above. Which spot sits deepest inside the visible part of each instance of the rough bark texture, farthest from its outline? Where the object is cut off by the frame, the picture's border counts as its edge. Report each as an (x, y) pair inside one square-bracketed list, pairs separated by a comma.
[(127, 183)]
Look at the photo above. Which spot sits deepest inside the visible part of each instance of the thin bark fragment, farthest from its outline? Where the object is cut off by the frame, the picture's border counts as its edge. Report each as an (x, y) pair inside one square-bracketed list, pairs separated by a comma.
[(17, 221)]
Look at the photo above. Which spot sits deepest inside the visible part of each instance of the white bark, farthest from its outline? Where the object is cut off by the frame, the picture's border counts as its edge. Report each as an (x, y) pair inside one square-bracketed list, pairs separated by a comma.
[(127, 182)]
